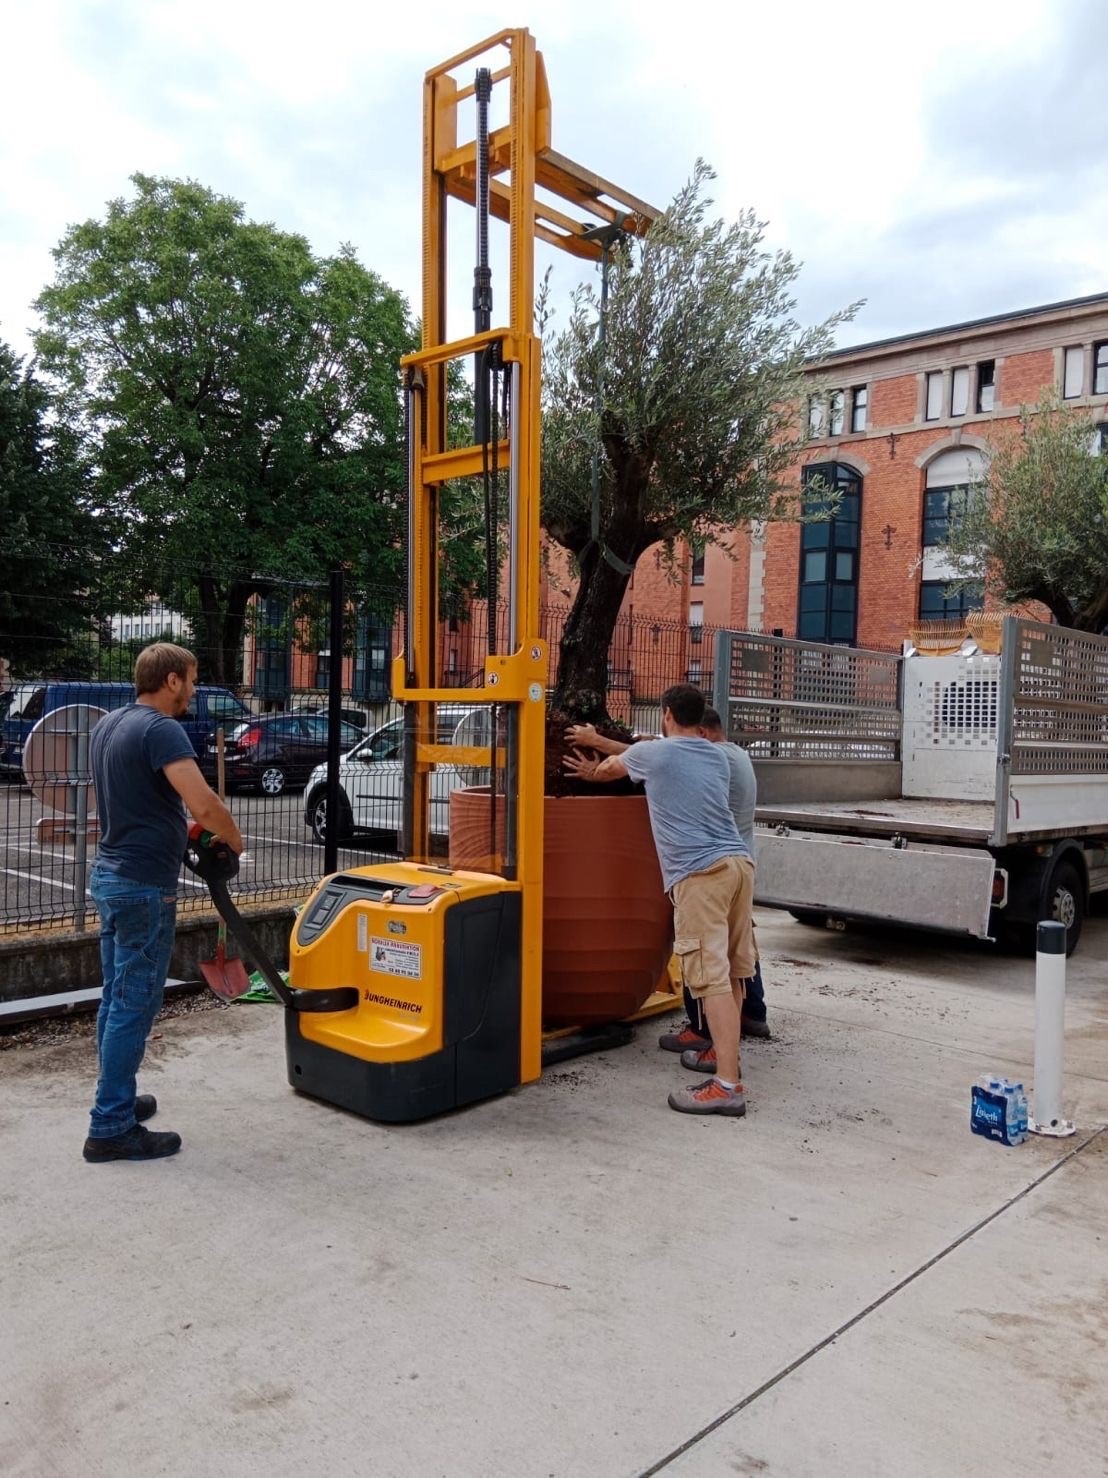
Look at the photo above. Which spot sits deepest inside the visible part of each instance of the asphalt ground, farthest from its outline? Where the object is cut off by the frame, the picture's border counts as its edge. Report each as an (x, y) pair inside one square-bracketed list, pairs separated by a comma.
[(572, 1281)]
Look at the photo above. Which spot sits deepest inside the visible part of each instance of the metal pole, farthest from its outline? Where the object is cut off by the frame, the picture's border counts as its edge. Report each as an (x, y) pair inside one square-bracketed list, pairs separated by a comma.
[(482, 273), (1050, 1031), (80, 821), (334, 729)]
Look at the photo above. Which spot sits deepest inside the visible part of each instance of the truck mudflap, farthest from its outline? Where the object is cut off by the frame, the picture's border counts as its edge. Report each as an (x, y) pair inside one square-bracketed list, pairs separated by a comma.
[(891, 880)]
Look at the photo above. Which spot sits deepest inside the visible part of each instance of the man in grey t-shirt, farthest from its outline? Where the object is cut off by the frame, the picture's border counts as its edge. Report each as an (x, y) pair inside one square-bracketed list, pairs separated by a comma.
[(708, 871)]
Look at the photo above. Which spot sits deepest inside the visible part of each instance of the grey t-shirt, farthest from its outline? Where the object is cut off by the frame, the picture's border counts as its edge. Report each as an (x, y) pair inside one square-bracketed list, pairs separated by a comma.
[(142, 820), (743, 791), (687, 784)]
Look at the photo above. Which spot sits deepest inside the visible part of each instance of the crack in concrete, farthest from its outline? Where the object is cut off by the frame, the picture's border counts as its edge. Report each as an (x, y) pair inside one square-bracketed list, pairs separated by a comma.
[(890, 1293)]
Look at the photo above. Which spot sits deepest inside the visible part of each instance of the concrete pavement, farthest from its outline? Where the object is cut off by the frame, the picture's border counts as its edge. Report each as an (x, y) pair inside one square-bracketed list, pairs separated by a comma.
[(573, 1280)]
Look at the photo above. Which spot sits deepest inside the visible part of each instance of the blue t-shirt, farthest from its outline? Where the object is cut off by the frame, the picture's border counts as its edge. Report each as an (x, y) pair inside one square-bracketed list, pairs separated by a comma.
[(142, 820), (687, 785)]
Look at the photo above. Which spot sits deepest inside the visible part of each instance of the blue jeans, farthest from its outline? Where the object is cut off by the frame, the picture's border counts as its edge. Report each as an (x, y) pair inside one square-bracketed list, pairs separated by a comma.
[(754, 1005), (136, 941)]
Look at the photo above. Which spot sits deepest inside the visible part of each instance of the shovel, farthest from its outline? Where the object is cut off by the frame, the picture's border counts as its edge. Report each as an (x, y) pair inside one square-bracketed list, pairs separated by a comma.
[(226, 976)]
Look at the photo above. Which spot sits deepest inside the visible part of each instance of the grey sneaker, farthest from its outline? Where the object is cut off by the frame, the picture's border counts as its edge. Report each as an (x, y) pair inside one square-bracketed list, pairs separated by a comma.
[(752, 1028), (702, 1061), (679, 1041), (709, 1098)]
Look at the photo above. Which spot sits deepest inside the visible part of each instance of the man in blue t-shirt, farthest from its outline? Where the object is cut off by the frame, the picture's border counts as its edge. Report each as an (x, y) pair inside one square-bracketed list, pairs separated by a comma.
[(144, 772), (708, 871), (694, 1038)]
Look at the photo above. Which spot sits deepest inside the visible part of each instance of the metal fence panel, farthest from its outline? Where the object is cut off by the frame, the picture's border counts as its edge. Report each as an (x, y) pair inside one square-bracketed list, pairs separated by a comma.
[(277, 673)]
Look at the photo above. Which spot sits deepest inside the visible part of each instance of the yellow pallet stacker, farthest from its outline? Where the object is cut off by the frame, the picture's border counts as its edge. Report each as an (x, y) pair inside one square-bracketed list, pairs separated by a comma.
[(447, 964)]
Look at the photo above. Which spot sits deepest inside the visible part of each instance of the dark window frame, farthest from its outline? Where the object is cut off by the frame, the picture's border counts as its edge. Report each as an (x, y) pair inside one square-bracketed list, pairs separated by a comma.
[(985, 382), (1100, 367), (827, 609), (859, 407), (955, 498), (954, 607)]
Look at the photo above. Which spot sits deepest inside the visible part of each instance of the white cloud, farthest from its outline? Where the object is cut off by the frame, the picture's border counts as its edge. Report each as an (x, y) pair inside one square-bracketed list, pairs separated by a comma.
[(837, 124)]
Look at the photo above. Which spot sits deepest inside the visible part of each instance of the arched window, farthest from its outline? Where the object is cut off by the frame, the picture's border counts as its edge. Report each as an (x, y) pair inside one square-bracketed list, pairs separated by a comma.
[(828, 609), (949, 482)]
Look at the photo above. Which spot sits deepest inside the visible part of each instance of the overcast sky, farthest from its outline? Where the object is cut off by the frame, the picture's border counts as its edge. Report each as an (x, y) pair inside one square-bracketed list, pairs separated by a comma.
[(943, 163)]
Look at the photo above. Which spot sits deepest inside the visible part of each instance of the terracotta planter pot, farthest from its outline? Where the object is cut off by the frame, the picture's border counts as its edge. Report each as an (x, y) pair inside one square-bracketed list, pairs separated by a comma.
[(607, 923)]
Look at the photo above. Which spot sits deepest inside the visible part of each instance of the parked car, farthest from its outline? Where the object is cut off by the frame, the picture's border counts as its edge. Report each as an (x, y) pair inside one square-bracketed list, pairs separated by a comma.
[(278, 750), (356, 716), (371, 777), (32, 700)]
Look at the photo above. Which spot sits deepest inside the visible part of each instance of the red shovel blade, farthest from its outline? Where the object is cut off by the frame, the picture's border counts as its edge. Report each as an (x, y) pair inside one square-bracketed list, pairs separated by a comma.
[(226, 978)]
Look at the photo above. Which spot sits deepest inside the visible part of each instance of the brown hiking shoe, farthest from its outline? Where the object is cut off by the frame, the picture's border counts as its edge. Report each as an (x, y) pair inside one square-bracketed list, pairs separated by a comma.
[(680, 1041), (709, 1098)]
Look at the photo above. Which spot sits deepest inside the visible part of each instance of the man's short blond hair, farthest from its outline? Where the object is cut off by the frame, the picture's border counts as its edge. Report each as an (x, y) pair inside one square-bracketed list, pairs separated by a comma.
[(154, 664)]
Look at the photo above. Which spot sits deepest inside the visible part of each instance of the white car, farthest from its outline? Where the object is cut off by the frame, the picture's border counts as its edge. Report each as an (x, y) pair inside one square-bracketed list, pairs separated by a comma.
[(371, 777)]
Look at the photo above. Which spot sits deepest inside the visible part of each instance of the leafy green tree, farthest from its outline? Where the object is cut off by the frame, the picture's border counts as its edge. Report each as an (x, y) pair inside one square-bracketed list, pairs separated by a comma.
[(689, 407), (1036, 524), (49, 539), (237, 398)]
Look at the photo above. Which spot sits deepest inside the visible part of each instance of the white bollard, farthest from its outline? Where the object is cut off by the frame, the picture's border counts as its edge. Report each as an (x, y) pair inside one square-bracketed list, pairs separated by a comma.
[(1050, 1031)]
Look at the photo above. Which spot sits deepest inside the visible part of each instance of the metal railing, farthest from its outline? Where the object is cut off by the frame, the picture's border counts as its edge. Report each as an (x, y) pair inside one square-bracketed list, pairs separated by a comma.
[(1059, 681), (784, 699)]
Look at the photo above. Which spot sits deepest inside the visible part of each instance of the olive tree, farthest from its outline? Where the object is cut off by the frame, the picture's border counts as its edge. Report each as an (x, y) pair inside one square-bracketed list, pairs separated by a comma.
[(679, 422), (1036, 521)]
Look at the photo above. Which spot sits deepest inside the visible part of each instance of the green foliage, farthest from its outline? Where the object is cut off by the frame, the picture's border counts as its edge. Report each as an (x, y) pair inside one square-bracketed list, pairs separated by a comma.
[(49, 539), (1037, 522), (691, 404), (702, 371), (236, 397)]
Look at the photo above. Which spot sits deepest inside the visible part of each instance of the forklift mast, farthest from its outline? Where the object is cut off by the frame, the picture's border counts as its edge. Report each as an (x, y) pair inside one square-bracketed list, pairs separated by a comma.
[(446, 962), (501, 174)]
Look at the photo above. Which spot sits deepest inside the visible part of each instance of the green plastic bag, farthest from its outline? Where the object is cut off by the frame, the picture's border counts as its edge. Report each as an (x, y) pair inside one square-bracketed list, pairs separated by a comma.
[(259, 990)]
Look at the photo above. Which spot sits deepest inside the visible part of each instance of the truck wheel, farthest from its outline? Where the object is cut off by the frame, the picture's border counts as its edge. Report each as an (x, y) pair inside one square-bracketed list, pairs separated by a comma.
[(1065, 901), (809, 919)]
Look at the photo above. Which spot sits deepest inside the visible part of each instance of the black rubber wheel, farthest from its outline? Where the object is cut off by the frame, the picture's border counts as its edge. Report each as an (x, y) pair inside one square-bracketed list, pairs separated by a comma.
[(318, 815), (1065, 900), (808, 919)]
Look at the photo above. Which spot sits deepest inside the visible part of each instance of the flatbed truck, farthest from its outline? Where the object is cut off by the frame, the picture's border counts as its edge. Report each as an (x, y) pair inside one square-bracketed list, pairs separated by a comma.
[(964, 791)]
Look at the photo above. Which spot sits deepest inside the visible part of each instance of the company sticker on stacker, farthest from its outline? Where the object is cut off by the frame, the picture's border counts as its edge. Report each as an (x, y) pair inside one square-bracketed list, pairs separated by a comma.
[(396, 957)]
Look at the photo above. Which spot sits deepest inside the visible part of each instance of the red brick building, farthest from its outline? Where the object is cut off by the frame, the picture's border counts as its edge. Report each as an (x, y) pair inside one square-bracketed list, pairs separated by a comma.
[(899, 427)]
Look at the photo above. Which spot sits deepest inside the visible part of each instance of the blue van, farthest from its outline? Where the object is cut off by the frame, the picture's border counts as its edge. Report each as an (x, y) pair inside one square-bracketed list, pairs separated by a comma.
[(34, 698)]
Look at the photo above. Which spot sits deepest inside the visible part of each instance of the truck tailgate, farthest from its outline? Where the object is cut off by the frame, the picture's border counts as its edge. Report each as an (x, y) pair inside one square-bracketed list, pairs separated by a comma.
[(924, 884)]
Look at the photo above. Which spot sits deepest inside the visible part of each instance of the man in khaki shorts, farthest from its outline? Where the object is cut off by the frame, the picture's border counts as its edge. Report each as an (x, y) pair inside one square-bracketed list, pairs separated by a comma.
[(708, 872)]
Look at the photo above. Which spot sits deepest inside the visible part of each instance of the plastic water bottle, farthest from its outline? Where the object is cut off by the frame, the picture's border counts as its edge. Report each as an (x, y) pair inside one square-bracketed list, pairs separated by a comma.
[(987, 1108), (998, 1109), (1019, 1099)]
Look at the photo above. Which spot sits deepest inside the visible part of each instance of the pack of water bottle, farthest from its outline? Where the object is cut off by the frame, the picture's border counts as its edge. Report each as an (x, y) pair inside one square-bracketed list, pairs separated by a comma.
[(998, 1109)]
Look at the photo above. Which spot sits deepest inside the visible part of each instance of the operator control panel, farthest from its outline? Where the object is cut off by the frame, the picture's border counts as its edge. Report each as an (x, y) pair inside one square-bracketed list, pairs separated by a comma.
[(344, 889)]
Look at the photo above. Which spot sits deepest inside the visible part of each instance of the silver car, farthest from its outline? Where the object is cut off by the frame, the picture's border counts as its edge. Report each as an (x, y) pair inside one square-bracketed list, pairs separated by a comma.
[(371, 777)]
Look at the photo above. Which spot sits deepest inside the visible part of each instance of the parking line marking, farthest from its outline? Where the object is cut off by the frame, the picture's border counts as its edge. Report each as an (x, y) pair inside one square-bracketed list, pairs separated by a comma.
[(37, 877)]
